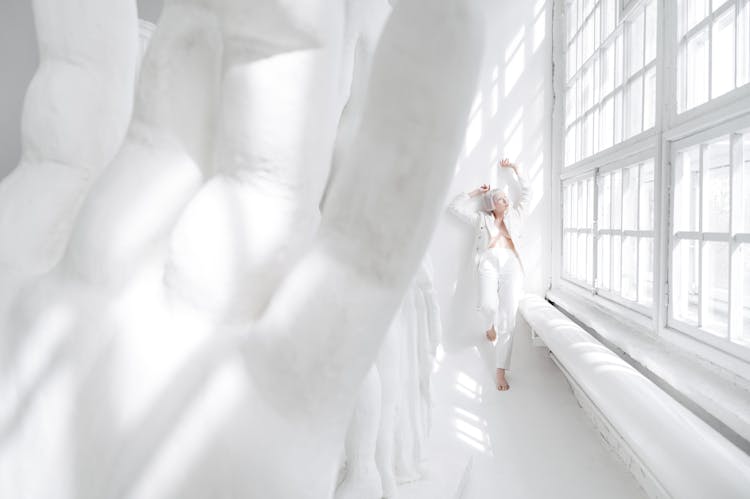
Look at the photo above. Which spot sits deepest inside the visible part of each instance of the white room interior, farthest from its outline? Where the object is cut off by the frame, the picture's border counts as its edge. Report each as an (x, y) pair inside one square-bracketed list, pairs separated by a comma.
[(631, 370)]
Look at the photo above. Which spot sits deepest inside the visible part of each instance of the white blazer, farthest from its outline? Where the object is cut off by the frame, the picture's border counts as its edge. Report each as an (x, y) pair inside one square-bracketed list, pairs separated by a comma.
[(467, 210)]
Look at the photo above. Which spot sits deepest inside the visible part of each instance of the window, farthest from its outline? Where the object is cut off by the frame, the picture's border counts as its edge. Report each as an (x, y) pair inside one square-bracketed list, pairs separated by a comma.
[(578, 219), (659, 224), (713, 42), (611, 75), (616, 223), (710, 236)]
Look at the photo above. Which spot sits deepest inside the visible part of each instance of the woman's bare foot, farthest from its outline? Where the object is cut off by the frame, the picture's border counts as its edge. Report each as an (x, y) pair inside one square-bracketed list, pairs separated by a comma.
[(491, 334), (502, 383)]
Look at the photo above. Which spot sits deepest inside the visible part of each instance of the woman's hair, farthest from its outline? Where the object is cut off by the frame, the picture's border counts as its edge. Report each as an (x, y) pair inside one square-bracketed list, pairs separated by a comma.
[(488, 203)]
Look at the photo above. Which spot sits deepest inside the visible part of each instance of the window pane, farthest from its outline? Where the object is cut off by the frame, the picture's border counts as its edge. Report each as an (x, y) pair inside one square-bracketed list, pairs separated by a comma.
[(605, 201), (687, 190), (609, 16), (634, 107), (570, 105), (616, 263), (589, 258), (746, 293), (645, 271), (686, 285), (743, 45), (589, 203), (618, 117), (572, 19), (606, 124), (603, 263), (649, 99), (608, 68), (716, 187), (572, 61), (629, 198), (650, 32), (617, 199), (718, 3), (696, 85), (692, 12), (629, 254), (618, 59), (635, 43), (581, 258), (646, 210), (744, 185), (722, 54), (715, 294)]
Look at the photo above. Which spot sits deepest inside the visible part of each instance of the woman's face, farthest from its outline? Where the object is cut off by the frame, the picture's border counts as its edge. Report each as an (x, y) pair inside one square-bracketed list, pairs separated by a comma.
[(500, 202)]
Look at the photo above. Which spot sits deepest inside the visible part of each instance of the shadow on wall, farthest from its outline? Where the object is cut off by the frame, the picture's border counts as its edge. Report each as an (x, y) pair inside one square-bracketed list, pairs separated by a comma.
[(510, 117)]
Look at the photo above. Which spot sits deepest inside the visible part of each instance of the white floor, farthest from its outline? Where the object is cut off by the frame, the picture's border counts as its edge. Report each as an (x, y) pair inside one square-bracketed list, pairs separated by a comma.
[(533, 441)]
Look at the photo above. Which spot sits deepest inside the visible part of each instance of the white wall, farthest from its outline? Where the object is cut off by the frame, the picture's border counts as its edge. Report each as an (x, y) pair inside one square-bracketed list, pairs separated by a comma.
[(18, 60), (512, 118)]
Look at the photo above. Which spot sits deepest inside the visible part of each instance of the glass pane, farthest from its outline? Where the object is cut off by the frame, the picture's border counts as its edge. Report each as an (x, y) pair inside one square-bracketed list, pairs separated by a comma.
[(687, 190), (570, 146), (716, 186), (616, 263), (605, 201), (696, 85), (618, 117), (606, 125), (581, 257), (589, 258), (634, 107), (645, 271), (582, 203), (629, 255), (609, 16), (566, 253), (650, 32), (604, 268), (646, 198), (573, 254), (694, 11), (617, 199), (717, 3), (566, 206), (746, 293), (589, 203), (572, 19), (629, 197), (635, 43), (572, 62), (649, 99), (715, 294), (722, 54), (744, 184), (743, 45), (570, 105), (618, 59), (608, 68), (685, 288)]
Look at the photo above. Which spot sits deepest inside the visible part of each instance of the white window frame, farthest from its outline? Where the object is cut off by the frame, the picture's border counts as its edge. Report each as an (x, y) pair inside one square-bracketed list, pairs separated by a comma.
[(716, 117)]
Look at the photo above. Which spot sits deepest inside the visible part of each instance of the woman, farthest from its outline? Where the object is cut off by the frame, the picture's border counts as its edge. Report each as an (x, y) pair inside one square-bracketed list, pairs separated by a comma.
[(497, 224)]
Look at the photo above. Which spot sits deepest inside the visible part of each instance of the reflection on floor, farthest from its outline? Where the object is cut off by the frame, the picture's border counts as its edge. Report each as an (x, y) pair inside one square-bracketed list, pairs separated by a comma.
[(532, 442)]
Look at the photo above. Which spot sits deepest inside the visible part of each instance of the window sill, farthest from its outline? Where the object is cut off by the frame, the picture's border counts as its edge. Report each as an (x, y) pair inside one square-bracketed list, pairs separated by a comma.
[(720, 398)]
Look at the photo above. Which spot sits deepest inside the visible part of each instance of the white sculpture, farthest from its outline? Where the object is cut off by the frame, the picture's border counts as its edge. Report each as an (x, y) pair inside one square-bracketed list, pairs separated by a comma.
[(391, 421), (207, 216)]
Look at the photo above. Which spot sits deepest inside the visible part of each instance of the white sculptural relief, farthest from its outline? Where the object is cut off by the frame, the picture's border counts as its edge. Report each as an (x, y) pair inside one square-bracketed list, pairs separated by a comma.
[(391, 421), (207, 331), (75, 114)]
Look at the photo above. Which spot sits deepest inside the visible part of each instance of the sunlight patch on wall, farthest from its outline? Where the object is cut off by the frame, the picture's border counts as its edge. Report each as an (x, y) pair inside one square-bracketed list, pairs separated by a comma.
[(515, 60)]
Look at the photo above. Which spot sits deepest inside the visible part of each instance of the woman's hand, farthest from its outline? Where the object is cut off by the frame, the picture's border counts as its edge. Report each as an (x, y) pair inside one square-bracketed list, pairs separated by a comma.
[(505, 163), (480, 190)]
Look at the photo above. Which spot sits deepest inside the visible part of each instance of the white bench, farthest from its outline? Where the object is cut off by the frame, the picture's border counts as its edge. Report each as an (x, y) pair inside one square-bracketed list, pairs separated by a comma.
[(672, 452)]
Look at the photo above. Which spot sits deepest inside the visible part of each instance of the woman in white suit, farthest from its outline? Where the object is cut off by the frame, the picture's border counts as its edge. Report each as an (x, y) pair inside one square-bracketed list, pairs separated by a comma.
[(497, 224)]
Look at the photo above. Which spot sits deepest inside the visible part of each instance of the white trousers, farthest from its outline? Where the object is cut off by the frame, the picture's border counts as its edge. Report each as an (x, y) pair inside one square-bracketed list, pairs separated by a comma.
[(500, 287)]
